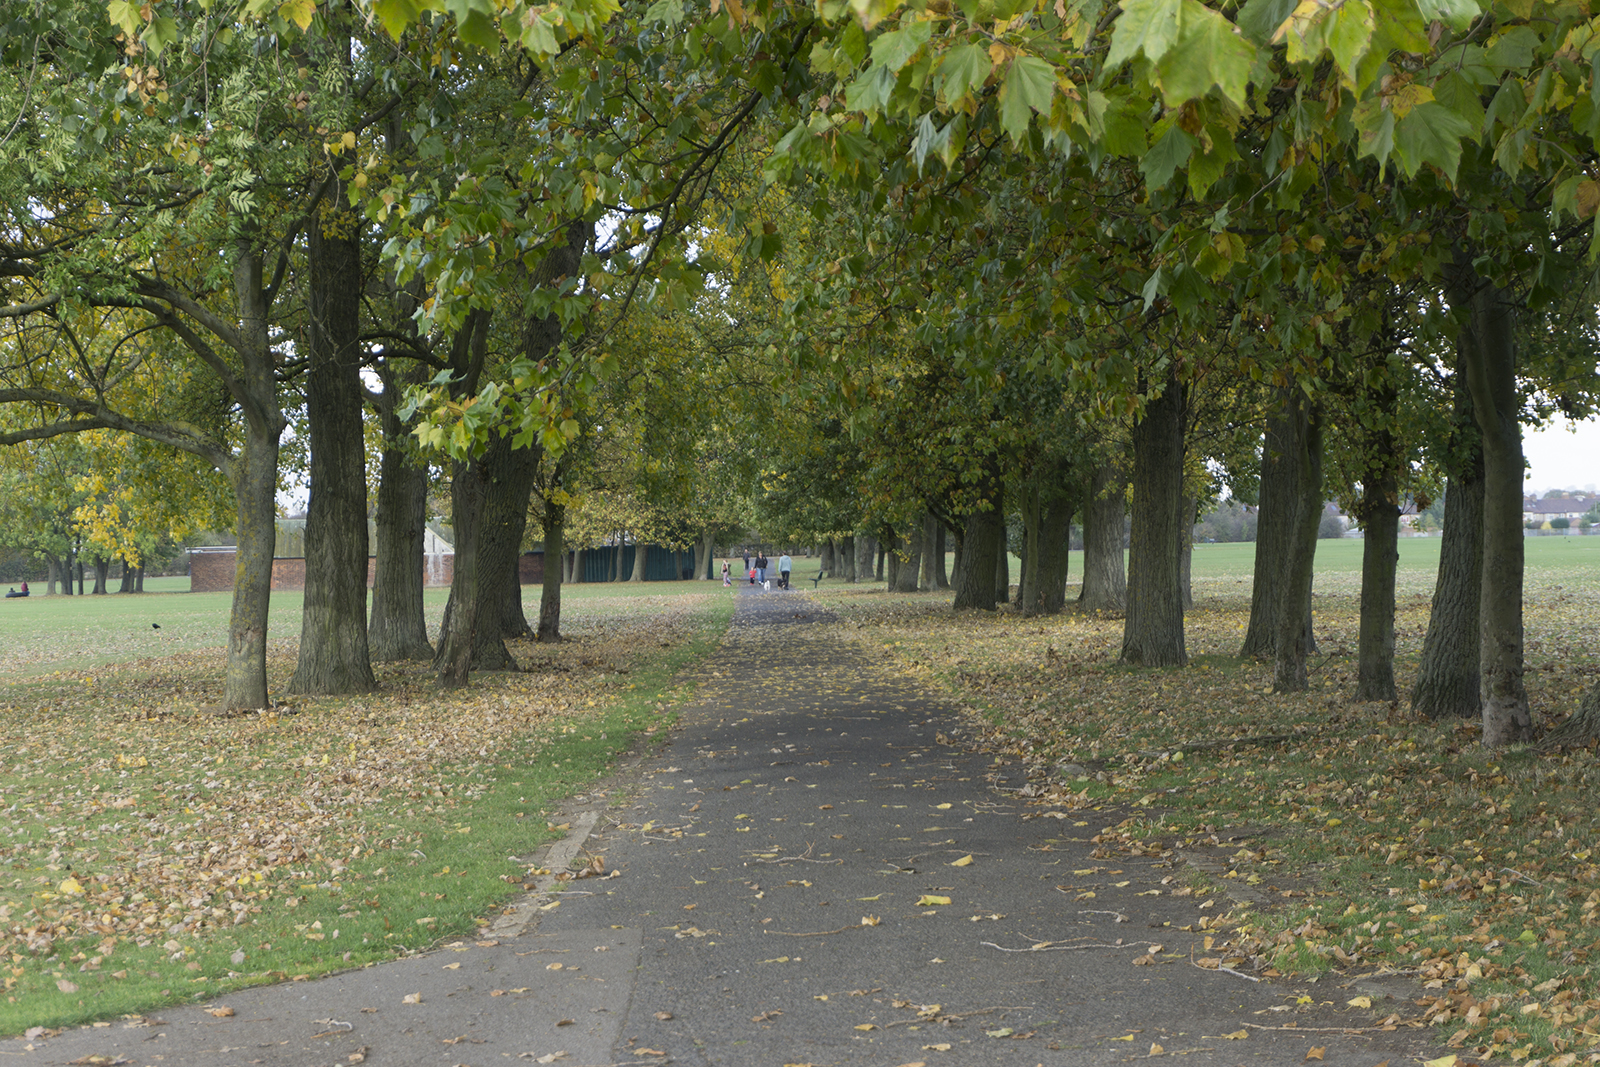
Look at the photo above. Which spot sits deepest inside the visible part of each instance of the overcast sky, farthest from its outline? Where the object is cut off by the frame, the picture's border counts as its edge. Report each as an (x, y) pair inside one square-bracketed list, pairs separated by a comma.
[(1559, 458)]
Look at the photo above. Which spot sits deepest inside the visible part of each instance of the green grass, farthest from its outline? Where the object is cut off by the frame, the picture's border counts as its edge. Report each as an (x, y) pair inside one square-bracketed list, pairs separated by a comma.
[(120, 915)]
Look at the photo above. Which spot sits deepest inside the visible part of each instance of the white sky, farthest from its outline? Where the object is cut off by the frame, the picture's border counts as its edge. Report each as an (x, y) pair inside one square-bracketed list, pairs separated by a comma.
[(1559, 458)]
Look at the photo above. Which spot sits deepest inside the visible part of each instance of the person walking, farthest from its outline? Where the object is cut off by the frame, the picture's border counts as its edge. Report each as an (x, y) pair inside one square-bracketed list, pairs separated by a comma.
[(761, 567), (785, 565), (727, 574)]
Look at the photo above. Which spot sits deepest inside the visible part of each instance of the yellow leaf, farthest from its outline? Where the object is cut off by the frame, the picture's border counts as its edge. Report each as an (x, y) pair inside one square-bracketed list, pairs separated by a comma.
[(1237, 1035), (347, 139), (1360, 1002), (1315, 1052), (298, 12), (865, 1026), (70, 884), (1442, 1061), (411, 998), (942, 807), (1125, 1037), (943, 1046), (964, 861), (928, 900), (452, 967), (1156, 1050)]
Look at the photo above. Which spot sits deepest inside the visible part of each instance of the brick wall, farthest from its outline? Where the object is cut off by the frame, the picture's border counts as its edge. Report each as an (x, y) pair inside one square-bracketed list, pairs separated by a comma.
[(212, 572)]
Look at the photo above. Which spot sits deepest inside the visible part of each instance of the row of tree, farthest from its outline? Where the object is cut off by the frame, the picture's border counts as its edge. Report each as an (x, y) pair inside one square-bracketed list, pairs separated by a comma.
[(913, 266)]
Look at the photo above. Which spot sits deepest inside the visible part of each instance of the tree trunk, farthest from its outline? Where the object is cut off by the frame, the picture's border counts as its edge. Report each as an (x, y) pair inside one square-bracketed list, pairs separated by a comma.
[(458, 633), (847, 558), (138, 579), (641, 559), (579, 563), (909, 557), (253, 473), (507, 493), (1187, 512), (1105, 584), (941, 579), (555, 521), (1152, 631), (1448, 676), (928, 579), (959, 533), (1290, 644), (333, 622), (1044, 576), (126, 585), (52, 575), (705, 562), (1379, 512), (982, 551), (1491, 376), (102, 571), (1278, 503), (398, 629)]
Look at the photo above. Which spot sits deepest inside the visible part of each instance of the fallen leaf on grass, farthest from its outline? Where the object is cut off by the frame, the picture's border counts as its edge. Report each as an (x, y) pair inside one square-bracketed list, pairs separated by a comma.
[(66, 986)]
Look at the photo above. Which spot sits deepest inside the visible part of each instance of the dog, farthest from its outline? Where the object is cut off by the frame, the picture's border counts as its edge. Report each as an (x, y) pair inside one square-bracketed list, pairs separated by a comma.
[(767, 585)]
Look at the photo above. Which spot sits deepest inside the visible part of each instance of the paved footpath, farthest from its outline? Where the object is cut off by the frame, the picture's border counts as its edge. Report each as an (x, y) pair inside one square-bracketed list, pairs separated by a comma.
[(793, 888)]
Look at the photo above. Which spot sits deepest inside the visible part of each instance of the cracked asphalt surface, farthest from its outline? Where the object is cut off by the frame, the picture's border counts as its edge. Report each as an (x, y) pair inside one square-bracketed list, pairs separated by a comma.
[(819, 869)]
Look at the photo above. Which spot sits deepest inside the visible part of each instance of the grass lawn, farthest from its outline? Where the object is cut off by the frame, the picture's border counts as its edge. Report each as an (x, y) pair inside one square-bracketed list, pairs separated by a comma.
[(154, 852)]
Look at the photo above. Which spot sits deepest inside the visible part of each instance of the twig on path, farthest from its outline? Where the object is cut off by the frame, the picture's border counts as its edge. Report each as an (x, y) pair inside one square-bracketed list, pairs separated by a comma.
[(944, 1017), (1121, 918), (1220, 967), (1063, 946), (1326, 1029), (818, 933)]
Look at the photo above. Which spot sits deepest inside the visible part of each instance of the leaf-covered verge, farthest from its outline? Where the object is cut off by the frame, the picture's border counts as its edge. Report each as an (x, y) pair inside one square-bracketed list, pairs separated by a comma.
[(1381, 842), (155, 851)]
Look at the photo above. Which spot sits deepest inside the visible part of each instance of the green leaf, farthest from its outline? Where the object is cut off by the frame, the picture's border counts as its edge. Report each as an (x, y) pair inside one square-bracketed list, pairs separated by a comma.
[(1512, 50), (1030, 83), (1152, 288), (1457, 14), (1349, 33), (1430, 133), (1124, 131), (1459, 95), (668, 11), (1210, 51), (161, 32), (895, 49), (299, 12), (1375, 129), (397, 15), (1148, 26), (1166, 156), (962, 70), (1260, 19), (1205, 170), (125, 16), (475, 23)]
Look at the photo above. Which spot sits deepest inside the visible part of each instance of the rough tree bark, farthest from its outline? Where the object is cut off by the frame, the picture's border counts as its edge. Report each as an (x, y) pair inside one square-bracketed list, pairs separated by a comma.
[(398, 629), (1448, 677), (641, 560), (1491, 363), (1188, 515), (1152, 631), (1278, 503), (847, 555), (1379, 512), (982, 551), (1105, 583), (333, 622), (555, 553), (1291, 644), (1044, 574), (909, 559), (932, 553)]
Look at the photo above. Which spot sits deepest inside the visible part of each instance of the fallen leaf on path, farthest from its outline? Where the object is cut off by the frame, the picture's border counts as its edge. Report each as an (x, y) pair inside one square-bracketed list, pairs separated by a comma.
[(1237, 1035), (222, 1011), (1156, 1050), (943, 1046), (865, 1026), (451, 967), (1442, 1061), (1360, 1002), (411, 998), (359, 1055), (964, 861), (565, 1022), (99, 1061), (928, 900), (663, 1015), (1004, 1031), (1315, 1052)]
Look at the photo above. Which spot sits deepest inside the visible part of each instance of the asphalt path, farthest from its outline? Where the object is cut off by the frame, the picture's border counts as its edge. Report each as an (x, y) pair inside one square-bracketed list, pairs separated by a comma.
[(820, 867)]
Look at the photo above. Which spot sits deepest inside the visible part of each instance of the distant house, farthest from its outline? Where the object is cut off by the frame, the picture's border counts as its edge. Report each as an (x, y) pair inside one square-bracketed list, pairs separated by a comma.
[(1571, 506)]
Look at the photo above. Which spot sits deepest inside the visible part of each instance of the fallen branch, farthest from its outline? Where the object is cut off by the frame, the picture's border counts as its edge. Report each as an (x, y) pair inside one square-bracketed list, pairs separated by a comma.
[(799, 859), (1220, 967), (1062, 946), (818, 933), (1329, 1029)]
